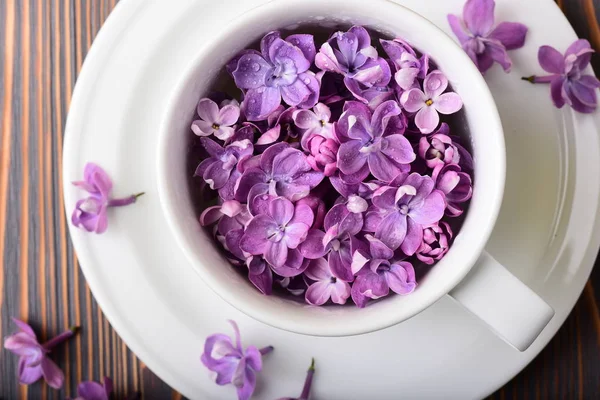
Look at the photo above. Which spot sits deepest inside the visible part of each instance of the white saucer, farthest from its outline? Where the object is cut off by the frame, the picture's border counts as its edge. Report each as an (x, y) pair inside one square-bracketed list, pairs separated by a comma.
[(547, 233)]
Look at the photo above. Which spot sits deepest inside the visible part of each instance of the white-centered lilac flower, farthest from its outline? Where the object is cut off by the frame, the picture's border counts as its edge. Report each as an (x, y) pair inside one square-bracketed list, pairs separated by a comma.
[(281, 70), (430, 101), (456, 185), (325, 285), (221, 170), (373, 141), (436, 243), (338, 242), (378, 274), (319, 139), (398, 214), (90, 390), (281, 229), (282, 171), (34, 362), (568, 83), (408, 66), (307, 384), (214, 120), (91, 213), (483, 43), (231, 363), (352, 55)]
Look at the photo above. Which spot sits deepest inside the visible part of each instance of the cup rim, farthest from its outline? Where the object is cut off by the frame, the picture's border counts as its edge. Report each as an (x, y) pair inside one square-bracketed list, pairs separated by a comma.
[(366, 325)]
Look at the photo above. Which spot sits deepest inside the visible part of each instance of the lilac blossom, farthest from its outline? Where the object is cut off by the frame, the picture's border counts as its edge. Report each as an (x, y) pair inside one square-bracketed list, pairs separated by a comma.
[(408, 66), (214, 120), (280, 70), (231, 218), (326, 286), (373, 141), (307, 384), (436, 242), (278, 232), (221, 169), (90, 390), (283, 171), (438, 149), (378, 274), (568, 83), (483, 43), (430, 101), (281, 125), (91, 213), (398, 214), (231, 363), (319, 139), (34, 362), (456, 186), (352, 55)]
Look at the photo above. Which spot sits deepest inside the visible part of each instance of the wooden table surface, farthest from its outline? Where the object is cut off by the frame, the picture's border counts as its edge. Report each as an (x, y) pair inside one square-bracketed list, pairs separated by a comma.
[(42, 46)]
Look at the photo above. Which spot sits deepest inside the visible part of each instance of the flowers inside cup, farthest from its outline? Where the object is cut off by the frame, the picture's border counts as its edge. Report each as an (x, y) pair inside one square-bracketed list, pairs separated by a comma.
[(332, 170)]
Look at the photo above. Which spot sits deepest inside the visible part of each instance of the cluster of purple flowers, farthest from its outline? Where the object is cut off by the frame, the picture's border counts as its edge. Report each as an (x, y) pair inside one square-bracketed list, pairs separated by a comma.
[(334, 174)]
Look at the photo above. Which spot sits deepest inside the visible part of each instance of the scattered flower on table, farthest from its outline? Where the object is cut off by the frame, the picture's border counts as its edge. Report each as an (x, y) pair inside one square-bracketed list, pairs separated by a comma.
[(90, 390), (34, 362), (307, 384), (91, 213), (568, 82), (231, 363), (481, 41)]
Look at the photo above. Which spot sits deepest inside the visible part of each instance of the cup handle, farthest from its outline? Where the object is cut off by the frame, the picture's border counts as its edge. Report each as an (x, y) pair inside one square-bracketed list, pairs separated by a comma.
[(511, 310)]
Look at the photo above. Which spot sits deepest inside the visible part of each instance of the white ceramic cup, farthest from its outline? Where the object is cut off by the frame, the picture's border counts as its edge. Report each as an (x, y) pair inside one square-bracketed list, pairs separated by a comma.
[(467, 273)]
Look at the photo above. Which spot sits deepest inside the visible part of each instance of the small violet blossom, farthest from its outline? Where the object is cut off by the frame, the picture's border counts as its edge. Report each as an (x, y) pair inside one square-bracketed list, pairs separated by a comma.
[(231, 218), (221, 169), (352, 55), (436, 243), (373, 141), (430, 101), (456, 185), (438, 149), (568, 83), (232, 364), (307, 384), (408, 66), (282, 171), (319, 139), (398, 215), (34, 362), (326, 286), (277, 233), (280, 70), (215, 121), (483, 44), (91, 213), (377, 274), (90, 390)]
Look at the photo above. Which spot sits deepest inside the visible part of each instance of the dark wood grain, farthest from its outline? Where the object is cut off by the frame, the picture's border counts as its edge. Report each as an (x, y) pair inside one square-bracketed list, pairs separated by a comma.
[(42, 46)]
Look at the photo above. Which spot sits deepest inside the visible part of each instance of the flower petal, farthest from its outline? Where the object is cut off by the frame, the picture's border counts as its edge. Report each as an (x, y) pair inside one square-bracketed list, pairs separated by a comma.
[(306, 44), (295, 93), (497, 51), (276, 253), (414, 237), (312, 247), (556, 91), (551, 60), (340, 264), (251, 72), (510, 34), (413, 100), (382, 167), (448, 103), (392, 230), (249, 383), (431, 210), (350, 158), (27, 374), (228, 115), (52, 374), (208, 110), (281, 210), (458, 28), (255, 239), (427, 119), (259, 103), (479, 16), (398, 148), (401, 278), (24, 327), (318, 293), (91, 390), (378, 249), (263, 281), (434, 84)]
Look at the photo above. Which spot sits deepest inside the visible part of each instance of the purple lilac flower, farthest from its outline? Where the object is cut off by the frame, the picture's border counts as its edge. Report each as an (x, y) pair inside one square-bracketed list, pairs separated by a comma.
[(231, 218), (398, 214), (408, 66), (342, 222), (281, 125), (232, 364), (377, 274), (214, 120), (278, 232), (351, 54), (568, 83), (319, 139), (483, 44), (34, 362), (436, 242), (456, 186), (279, 71), (90, 390), (283, 171), (326, 285), (438, 149), (90, 213), (221, 170), (373, 141), (307, 384), (430, 101)]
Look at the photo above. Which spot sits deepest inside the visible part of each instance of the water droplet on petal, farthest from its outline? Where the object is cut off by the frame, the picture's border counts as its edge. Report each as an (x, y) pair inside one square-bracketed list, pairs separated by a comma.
[(256, 67), (307, 81)]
